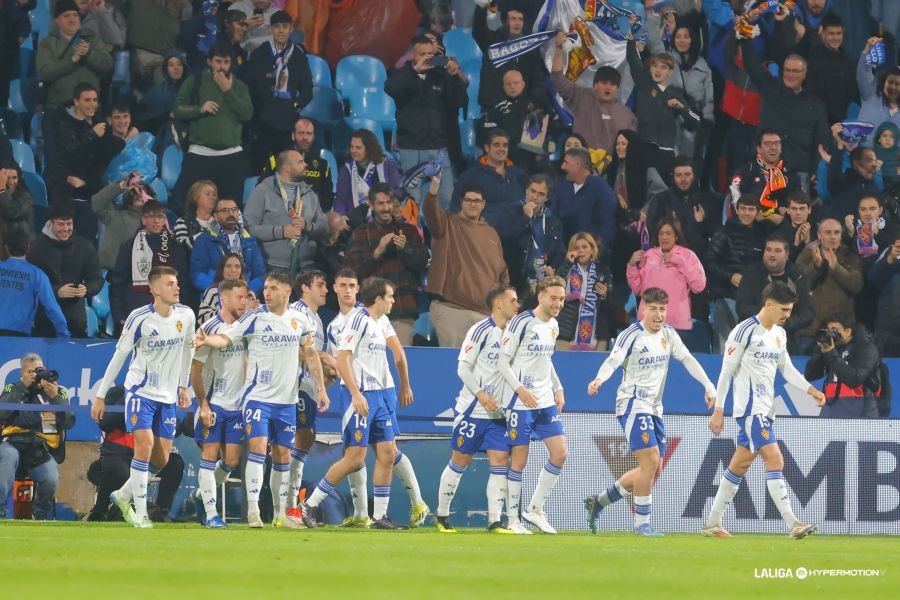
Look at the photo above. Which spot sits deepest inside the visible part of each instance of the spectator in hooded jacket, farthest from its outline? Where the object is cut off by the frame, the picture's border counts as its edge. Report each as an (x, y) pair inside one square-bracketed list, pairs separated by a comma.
[(157, 105), (72, 266), (280, 84)]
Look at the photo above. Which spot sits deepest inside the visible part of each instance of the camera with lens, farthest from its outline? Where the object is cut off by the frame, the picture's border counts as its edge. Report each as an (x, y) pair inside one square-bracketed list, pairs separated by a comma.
[(824, 336), (42, 374)]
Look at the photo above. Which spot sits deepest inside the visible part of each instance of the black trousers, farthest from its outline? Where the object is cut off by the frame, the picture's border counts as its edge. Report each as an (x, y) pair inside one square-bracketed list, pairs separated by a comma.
[(110, 472), (227, 172)]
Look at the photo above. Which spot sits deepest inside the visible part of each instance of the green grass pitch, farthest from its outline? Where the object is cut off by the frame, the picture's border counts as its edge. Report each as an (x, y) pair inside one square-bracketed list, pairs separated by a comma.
[(79, 560)]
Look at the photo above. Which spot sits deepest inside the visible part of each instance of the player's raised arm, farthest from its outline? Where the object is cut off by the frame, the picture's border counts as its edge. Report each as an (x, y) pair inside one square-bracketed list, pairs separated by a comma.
[(796, 378)]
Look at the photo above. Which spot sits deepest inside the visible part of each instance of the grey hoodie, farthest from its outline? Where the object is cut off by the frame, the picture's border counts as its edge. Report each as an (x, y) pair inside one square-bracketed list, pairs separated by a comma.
[(266, 215)]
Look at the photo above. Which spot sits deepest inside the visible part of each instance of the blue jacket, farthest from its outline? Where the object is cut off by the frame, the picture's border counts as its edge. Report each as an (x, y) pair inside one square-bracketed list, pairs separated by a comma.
[(22, 286), (592, 209), (208, 251), (503, 194)]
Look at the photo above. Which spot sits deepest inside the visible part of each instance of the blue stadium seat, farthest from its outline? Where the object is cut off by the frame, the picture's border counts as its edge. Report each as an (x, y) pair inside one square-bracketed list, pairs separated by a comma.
[(41, 19), (249, 184), (373, 103), (328, 157), (23, 95), (472, 91), (170, 168), (121, 67), (359, 71), (340, 138), (460, 44), (326, 107), (467, 137), (100, 302), (9, 121), (321, 72), (23, 155), (41, 213), (36, 140), (26, 59), (93, 323), (162, 194), (37, 187)]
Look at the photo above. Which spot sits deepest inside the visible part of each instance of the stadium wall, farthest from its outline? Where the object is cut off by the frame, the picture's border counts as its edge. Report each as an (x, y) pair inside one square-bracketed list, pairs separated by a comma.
[(81, 364)]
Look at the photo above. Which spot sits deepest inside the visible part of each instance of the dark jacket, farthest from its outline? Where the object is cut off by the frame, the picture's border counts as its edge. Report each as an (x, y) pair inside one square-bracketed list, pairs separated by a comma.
[(423, 104), (846, 188), (124, 297), (277, 114), (787, 227), (72, 261), (404, 268), (523, 231), (209, 248), (116, 440), (833, 290), (72, 149), (681, 204), (503, 193), (848, 372), (732, 249), (756, 278), (592, 208), (530, 64), (26, 429), (751, 179), (884, 276), (831, 77), (159, 101), (657, 122), (800, 117)]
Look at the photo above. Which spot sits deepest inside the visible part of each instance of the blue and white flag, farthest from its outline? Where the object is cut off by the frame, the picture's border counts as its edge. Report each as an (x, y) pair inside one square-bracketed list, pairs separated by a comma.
[(876, 55), (503, 52), (855, 132)]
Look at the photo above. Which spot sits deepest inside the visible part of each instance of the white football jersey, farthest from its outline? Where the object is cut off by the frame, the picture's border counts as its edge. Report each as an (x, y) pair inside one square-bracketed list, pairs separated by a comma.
[(307, 383), (752, 355), (160, 350), (479, 353), (273, 353), (364, 337), (529, 344), (336, 325), (223, 369), (644, 358)]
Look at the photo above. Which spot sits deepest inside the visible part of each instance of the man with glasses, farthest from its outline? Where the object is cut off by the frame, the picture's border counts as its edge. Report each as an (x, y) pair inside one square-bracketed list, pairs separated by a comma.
[(789, 108), (766, 178), (226, 236)]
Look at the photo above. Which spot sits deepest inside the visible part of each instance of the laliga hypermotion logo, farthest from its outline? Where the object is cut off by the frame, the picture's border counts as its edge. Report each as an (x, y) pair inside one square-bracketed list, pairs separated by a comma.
[(614, 451)]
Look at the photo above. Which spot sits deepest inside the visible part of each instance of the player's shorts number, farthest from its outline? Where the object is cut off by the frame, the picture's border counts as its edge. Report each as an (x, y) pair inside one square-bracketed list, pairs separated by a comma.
[(252, 415), (212, 418), (646, 423), (513, 419), (467, 429), (135, 405), (301, 404), (360, 421), (763, 421)]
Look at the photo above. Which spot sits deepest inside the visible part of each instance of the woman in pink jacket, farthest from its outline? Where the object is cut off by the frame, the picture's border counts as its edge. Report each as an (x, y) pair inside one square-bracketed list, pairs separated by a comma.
[(671, 267)]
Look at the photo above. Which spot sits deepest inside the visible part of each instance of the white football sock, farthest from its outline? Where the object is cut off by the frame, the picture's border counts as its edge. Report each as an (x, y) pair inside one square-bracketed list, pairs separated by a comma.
[(547, 479), (513, 492), (403, 469), (778, 492), (253, 478), (359, 492), (447, 490), (298, 461), (278, 484), (496, 493), (728, 487), (382, 498), (642, 505), (207, 482), (138, 484)]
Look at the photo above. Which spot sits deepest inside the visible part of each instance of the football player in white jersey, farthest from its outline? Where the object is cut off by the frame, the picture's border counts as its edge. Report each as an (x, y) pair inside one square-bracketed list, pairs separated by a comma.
[(346, 286), (277, 338), (643, 351), (479, 424), (367, 405), (158, 338), (313, 288), (755, 349), (217, 377), (533, 412)]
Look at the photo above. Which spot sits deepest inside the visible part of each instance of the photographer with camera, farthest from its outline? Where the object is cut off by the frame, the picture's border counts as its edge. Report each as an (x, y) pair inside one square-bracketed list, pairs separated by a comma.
[(849, 361), (31, 440)]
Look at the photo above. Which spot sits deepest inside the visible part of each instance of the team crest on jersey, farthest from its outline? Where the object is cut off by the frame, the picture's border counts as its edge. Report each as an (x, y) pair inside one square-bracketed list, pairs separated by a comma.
[(294, 324), (133, 420), (645, 437), (765, 434), (459, 442), (778, 342), (513, 434), (357, 436), (663, 343), (179, 326)]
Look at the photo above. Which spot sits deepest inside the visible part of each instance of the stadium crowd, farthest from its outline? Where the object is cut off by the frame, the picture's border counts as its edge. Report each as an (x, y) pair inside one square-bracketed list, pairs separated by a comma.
[(722, 155)]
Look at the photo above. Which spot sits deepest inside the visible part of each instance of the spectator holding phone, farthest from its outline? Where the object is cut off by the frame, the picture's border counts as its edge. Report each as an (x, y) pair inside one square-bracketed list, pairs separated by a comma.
[(394, 250), (259, 13)]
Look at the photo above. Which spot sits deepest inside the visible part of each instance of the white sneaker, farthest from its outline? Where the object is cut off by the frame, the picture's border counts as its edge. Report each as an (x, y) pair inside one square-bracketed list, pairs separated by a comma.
[(539, 520), (254, 521), (290, 522), (518, 528), (801, 530)]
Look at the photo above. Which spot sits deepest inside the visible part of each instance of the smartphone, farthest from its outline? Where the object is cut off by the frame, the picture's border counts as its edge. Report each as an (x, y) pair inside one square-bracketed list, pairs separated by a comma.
[(439, 61), (258, 11)]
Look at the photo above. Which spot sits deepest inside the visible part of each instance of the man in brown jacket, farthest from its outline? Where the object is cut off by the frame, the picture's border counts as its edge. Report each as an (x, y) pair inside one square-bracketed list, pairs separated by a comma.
[(466, 262), (835, 277)]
